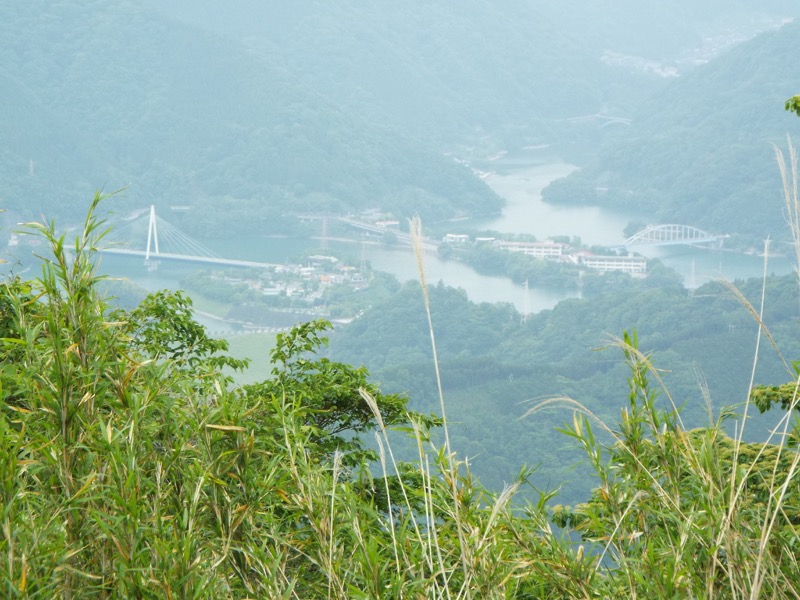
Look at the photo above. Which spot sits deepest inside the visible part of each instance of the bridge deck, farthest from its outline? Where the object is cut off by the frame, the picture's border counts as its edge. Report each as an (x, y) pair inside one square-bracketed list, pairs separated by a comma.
[(400, 236), (686, 242), (195, 259)]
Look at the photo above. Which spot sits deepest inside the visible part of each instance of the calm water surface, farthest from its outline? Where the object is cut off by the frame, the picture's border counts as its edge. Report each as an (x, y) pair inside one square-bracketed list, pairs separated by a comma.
[(525, 212)]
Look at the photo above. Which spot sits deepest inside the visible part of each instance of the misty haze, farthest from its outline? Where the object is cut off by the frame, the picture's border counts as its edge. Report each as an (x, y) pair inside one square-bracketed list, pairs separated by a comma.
[(384, 300)]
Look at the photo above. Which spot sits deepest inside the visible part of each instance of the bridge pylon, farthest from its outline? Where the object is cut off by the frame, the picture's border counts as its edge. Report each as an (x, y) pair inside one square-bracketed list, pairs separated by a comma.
[(152, 240), (166, 242)]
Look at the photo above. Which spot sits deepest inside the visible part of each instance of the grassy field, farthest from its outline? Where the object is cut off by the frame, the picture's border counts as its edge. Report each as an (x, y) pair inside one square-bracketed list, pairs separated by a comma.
[(215, 307), (256, 347)]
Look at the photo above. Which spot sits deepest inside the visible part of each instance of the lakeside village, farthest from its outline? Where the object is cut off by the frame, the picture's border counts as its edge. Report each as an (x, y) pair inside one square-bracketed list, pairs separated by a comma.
[(320, 286), (327, 286)]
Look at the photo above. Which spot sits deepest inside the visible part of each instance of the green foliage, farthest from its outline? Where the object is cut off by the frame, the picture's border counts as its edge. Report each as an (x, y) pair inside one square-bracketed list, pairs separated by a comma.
[(767, 396), (784, 396), (162, 327), (685, 513), (128, 468), (793, 105), (330, 392)]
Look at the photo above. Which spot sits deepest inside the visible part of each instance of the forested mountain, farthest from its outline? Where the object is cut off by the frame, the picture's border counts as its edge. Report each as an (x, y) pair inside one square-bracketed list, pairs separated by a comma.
[(495, 367), (265, 109), (700, 151), (113, 94)]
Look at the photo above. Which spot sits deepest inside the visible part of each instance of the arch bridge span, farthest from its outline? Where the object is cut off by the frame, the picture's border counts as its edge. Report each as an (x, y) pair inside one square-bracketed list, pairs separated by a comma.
[(673, 234)]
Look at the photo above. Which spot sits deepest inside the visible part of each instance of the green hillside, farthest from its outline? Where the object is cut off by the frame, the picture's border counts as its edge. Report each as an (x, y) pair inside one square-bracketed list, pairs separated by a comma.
[(495, 367), (700, 152)]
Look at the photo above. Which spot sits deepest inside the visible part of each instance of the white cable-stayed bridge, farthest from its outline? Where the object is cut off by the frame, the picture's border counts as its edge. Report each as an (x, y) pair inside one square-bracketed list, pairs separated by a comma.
[(155, 239)]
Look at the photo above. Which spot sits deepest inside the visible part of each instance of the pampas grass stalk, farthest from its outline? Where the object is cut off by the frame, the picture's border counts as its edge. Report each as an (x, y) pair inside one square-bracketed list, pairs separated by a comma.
[(383, 446), (789, 179), (417, 239), (737, 490), (337, 470), (433, 546)]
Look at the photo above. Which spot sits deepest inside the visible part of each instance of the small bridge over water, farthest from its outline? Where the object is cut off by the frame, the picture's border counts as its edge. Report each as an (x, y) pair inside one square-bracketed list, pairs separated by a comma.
[(599, 119), (160, 240), (672, 234)]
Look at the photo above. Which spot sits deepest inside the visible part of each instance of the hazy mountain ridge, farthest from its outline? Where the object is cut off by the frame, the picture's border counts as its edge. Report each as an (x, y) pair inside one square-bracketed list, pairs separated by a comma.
[(183, 115), (457, 72), (441, 71)]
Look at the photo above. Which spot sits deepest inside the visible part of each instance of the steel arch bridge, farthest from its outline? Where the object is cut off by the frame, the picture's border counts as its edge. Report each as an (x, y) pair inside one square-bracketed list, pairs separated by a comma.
[(672, 234)]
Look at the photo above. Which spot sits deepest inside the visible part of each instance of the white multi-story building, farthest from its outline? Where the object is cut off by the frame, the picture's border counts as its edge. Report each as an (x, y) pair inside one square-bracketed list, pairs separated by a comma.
[(537, 249), (627, 264), (455, 238)]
